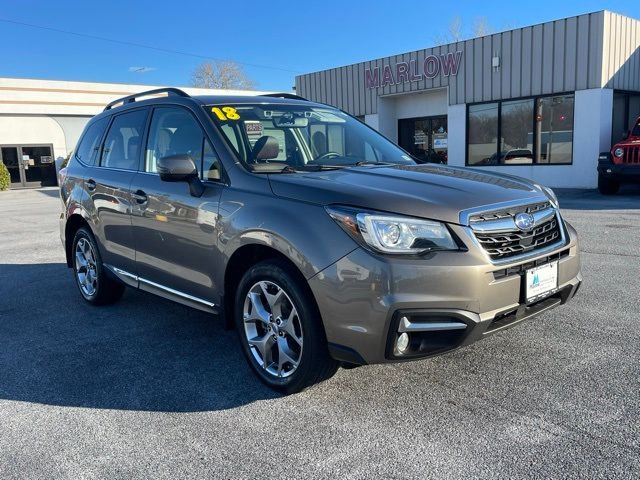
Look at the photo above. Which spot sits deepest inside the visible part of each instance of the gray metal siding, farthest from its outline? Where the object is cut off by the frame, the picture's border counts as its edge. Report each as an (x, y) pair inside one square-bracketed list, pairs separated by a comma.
[(559, 56), (621, 60)]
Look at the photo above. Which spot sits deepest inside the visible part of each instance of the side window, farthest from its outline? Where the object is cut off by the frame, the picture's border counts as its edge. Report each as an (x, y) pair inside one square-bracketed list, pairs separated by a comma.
[(174, 131), (210, 163), (122, 144), (89, 144)]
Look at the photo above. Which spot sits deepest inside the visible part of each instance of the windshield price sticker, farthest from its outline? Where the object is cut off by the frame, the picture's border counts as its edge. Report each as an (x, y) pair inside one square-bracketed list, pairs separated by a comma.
[(253, 128), (226, 113)]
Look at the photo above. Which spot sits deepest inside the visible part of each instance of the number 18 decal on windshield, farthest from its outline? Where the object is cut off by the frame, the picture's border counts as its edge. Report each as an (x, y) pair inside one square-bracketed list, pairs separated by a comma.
[(226, 113)]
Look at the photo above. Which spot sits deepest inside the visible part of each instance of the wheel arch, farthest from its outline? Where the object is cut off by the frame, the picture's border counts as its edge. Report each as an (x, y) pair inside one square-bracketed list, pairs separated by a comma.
[(73, 224), (244, 258)]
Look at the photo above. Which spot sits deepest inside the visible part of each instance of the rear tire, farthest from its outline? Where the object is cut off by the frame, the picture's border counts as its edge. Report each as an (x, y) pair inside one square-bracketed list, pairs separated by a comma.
[(280, 328), (95, 286), (607, 186)]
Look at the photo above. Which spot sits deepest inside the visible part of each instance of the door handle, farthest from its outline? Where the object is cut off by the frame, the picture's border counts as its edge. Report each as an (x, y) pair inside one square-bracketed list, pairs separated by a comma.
[(139, 196), (91, 184)]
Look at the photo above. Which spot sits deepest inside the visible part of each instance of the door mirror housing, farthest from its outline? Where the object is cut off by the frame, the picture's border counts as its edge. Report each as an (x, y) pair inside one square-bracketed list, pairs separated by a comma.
[(180, 168)]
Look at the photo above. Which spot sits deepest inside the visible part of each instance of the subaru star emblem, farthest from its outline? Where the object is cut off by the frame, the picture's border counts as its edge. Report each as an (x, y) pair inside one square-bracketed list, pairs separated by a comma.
[(524, 221)]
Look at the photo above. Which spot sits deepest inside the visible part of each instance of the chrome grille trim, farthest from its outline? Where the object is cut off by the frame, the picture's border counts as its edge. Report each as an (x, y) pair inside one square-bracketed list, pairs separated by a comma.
[(495, 233), (505, 224)]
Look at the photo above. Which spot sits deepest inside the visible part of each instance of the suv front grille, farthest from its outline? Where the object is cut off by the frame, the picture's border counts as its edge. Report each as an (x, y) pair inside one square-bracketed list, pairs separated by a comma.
[(631, 155), (498, 235)]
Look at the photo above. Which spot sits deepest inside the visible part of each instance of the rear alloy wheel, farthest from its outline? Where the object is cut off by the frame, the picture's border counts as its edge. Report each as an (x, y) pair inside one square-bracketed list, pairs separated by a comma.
[(280, 328), (607, 186), (94, 284)]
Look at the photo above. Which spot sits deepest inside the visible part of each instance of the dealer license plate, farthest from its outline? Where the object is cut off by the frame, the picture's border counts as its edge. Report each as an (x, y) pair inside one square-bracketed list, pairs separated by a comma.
[(542, 281)]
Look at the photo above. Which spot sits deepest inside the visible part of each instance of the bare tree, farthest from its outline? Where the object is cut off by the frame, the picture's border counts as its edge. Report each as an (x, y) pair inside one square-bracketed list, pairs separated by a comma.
[(481, 27), (455, 29), (456, 32), (221, 74)]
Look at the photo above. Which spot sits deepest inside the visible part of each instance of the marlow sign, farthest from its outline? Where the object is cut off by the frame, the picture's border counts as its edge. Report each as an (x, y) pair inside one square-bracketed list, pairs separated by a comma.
[(447, 64)]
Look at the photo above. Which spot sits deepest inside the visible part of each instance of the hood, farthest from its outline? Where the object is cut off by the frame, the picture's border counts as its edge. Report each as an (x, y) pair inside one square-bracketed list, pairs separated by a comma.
[(428, 191)]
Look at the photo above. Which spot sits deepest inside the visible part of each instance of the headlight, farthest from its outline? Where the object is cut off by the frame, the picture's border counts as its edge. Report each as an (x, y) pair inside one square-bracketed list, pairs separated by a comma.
[(393, 233), (619, 152)]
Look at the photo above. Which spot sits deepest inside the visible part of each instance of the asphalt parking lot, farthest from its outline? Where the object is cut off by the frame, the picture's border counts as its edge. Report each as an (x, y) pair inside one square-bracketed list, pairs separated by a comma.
[(150, 389)]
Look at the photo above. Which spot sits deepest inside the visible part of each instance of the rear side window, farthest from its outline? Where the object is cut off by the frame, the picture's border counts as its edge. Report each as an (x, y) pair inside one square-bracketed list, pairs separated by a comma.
[(87, 149), (123, 142)]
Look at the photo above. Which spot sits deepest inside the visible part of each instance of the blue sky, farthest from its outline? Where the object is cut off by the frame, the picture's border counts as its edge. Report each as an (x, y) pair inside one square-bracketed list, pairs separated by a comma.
[(275, 40)]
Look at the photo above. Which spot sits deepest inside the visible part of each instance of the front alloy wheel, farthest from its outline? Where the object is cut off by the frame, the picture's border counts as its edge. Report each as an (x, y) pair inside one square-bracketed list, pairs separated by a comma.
[(280, 327), (272, 328)]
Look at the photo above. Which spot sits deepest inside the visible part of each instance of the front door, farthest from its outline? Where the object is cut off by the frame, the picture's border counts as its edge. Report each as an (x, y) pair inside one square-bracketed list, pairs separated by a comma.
[(425, 138), (30, 165), (175, 232)]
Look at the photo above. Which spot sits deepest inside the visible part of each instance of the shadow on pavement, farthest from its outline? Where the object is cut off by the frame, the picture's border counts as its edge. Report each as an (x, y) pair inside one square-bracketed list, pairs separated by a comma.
[(627, 199), (143, 353), (50, 192)]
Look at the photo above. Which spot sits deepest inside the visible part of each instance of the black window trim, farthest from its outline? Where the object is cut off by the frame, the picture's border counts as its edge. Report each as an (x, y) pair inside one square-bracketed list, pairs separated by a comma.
[(533, 119), (145, 141)]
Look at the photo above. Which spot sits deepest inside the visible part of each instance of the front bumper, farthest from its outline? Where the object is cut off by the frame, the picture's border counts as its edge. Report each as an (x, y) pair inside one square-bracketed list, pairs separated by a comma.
[(620, 172), (363, 297)]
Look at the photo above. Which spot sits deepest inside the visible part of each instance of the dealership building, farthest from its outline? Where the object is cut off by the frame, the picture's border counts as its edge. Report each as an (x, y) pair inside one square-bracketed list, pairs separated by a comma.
[(41, 121), (539, 102)]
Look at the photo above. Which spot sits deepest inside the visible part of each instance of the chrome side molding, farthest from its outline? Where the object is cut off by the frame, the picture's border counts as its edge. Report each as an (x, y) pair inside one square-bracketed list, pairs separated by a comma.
[(138, 282)]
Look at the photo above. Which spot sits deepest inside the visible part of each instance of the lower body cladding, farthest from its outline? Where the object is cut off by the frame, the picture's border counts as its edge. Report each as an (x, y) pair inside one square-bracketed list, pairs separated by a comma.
[(379, 309)]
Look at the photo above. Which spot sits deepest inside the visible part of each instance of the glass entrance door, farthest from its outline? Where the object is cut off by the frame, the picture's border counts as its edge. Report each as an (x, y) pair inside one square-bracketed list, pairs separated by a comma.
[(30, 165), (10, 159), (425, 138)]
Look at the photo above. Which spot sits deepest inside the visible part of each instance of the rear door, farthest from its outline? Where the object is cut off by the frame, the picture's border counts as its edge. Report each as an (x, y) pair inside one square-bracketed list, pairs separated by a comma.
[(107, 183), (175, 233)]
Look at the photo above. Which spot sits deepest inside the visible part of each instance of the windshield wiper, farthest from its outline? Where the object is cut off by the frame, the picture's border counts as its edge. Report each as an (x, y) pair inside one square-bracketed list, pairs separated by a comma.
[(365, 162), (310, 168)]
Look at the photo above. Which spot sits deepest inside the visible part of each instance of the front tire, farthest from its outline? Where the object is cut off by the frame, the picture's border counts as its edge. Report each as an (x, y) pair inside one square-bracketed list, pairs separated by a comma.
[(280, 328), (95, 286), (607, 186)]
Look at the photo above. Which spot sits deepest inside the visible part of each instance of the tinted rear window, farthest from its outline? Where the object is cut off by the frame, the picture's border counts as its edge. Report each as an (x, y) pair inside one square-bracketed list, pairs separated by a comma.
[(87, 149)]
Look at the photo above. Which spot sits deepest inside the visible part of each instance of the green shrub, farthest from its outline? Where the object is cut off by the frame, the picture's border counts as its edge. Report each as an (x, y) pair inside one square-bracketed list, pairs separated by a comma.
[(5, 178), (65, 162)]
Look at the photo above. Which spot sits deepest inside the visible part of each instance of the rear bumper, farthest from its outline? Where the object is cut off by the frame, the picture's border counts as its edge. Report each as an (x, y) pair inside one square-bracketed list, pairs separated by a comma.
[(449, 300)]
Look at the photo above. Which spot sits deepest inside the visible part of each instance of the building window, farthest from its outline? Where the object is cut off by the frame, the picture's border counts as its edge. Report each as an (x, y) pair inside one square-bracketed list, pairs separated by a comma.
[(554, 129), (531, 131), (483, 133), (626, 111), (516, 140)]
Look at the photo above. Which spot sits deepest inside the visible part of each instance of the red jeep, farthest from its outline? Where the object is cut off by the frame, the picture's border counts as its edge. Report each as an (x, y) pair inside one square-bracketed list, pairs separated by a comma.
[(621, 165)]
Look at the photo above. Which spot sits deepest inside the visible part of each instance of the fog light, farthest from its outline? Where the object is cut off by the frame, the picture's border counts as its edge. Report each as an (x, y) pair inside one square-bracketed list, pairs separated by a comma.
[(402, 343)]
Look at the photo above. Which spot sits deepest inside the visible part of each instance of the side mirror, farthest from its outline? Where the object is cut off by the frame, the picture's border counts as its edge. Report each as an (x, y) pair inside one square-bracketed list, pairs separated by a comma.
[(180, 168)]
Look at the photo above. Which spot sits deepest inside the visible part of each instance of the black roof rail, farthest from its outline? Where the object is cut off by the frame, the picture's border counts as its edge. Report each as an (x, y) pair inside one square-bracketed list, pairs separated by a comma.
[(132, 98), (291, 96)]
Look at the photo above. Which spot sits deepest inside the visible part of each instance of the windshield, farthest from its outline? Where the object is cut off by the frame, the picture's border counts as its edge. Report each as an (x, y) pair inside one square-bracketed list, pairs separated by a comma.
[(277, 138), (636, 130)]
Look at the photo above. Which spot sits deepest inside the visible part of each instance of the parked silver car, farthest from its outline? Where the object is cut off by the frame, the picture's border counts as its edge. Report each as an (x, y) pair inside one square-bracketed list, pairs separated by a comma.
[(322, 242)]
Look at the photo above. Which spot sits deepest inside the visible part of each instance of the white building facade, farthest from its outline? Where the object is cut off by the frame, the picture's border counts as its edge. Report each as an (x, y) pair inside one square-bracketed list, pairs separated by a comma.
[(41, 121), (539, 102)]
